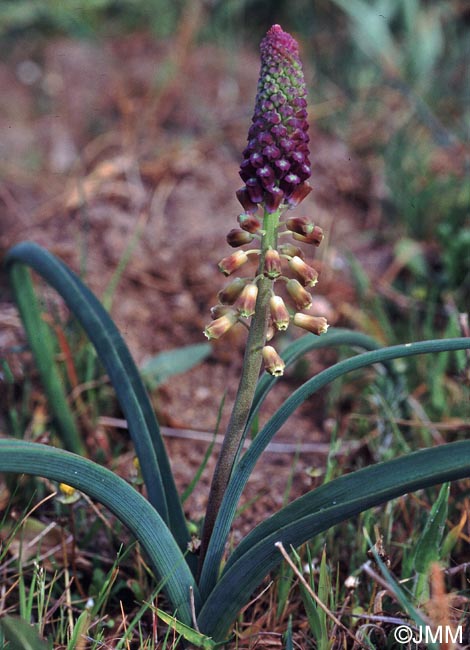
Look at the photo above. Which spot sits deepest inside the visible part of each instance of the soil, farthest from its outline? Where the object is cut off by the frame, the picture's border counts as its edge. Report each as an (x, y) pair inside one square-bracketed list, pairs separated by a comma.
[(99, 141)]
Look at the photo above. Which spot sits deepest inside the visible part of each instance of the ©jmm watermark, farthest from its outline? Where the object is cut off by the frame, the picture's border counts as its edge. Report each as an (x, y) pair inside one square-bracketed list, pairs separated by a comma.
[(440, 634)]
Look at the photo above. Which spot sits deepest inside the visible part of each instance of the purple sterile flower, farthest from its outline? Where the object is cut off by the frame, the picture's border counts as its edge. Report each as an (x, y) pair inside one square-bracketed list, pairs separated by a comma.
[(276, 160)]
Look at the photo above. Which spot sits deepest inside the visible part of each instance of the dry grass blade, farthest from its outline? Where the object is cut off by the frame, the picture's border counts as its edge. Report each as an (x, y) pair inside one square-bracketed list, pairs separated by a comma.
[(322, 606)]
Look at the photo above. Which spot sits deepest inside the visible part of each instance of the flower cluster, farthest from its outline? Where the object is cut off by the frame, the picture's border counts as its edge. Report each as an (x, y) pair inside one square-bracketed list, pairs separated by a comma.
[(237, 300), (276, 163), (275, 169)]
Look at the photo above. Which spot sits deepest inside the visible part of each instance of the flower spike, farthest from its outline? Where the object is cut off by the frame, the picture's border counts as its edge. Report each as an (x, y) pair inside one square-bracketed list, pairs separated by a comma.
[(275, 170), (276, 162)]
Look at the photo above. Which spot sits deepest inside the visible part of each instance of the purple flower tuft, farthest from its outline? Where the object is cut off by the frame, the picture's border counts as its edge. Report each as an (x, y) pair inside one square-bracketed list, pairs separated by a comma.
[(276, 159)]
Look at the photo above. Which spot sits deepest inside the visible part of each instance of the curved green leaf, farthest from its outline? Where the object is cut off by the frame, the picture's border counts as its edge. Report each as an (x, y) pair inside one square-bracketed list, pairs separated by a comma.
[(124, 501), (123, 374), (317, 511), (21, 635), (334, 338), (243, 469)]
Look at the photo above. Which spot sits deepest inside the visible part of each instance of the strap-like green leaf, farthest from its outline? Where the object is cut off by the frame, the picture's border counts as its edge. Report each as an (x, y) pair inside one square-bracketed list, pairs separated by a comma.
[(123, 374), (317, 511), (21, 635), (123, 500), (244, 468)]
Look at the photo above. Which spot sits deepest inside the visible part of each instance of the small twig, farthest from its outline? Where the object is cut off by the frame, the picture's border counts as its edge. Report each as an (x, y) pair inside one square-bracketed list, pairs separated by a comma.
[(395, 620), (193, 609), (388, 588), (253, 601), (322, 606), (273, 447), (341, 612), (461, 568), (378, 578)]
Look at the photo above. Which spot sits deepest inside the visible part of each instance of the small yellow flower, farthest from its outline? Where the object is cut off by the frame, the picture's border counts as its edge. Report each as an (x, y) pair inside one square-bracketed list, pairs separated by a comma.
[(67, 490), (67, 494)]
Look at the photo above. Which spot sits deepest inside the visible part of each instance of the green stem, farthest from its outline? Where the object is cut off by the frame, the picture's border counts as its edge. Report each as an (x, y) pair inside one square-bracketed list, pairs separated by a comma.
[(246, 389)]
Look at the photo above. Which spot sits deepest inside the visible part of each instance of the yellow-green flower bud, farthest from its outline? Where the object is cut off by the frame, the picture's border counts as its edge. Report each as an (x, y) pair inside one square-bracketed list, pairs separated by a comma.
[(302, 299), (307, 275), (221, 325), (272, 264), (247, 302), (219, 310), (279, 313), (315, 324), (291, 251), (270, 332), (273, 362), (229, 294), (233, 262)]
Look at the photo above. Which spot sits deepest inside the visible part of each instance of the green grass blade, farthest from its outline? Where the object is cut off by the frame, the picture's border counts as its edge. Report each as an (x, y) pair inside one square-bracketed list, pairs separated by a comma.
[(42, 347), (80, 630), (194, 637), (244, 468), (312, 610), (317, 511), (395, 588), (288, 638), (427, 547), (123, 500), (429, 544), (124, 376)]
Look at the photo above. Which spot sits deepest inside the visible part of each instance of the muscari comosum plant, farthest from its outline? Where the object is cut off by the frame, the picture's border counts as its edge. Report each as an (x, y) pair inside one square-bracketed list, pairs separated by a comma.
[(202, 591)]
